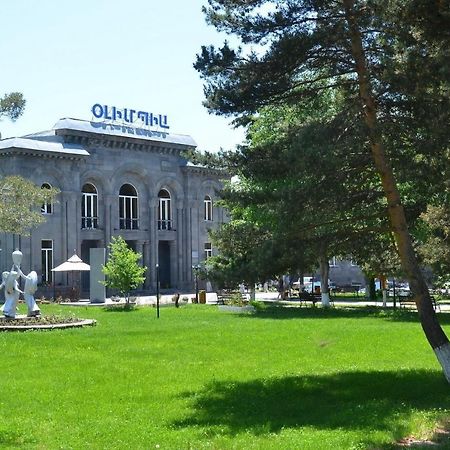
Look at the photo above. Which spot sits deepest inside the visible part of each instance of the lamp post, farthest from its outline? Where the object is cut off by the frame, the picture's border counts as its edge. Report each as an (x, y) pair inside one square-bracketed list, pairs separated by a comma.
[(207, 282), (157, 291), (195, 269), (393, 287)]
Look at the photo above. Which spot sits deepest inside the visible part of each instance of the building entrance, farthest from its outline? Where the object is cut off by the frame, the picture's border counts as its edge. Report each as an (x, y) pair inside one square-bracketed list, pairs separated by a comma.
[(164, 264)]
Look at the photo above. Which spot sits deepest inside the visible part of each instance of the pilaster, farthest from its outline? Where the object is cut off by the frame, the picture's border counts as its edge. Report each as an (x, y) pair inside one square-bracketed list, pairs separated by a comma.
[(153, 208)]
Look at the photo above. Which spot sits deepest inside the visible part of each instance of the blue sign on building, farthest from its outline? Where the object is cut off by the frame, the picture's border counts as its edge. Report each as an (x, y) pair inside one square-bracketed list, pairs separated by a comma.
[(129, 115)]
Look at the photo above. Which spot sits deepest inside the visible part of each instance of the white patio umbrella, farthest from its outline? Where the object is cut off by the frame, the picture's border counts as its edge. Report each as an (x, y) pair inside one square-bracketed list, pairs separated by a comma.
[(73, 264)]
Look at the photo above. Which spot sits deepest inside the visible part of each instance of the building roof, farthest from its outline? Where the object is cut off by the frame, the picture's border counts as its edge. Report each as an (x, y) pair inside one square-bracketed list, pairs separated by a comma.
[(42, 146), (123, 130), (53, 142)]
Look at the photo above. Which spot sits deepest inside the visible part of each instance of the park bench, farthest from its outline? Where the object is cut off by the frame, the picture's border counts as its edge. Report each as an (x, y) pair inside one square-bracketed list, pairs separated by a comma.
[(221, 299), (305, 297), (408, 302)]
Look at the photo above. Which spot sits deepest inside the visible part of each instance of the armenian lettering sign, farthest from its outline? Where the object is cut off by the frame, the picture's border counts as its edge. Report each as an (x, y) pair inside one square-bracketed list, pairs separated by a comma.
[(125, 116)]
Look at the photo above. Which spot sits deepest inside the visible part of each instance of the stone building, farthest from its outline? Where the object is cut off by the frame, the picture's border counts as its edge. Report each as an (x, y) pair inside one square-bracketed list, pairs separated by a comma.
[(346, 275), (115, 179)]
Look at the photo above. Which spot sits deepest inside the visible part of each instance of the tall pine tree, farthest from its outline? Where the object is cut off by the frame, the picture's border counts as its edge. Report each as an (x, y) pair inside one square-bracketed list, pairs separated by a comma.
[(386, 57)]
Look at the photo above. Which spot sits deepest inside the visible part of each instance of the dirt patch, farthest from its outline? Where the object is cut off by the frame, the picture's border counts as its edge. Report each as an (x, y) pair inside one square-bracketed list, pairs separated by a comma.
[(440, 439), (23, 323)]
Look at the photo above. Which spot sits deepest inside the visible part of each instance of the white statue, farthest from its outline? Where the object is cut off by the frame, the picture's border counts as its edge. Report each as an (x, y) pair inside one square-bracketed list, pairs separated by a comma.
[(28, 293), (12, 291)]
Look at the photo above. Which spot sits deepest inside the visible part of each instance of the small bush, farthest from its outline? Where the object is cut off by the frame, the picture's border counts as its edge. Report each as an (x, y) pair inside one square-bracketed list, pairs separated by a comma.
[(259, 306), (236, 300)]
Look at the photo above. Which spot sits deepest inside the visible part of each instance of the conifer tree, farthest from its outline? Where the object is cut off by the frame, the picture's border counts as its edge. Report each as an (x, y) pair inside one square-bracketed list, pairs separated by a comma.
[(393, 67)]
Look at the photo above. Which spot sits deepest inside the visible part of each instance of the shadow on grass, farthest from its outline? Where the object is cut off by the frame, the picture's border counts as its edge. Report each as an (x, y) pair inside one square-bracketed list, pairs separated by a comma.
[(12, 439), (283, 312), (364, 401)]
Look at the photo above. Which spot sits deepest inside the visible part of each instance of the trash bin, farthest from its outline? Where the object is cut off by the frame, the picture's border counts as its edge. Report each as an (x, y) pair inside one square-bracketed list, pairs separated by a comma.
[(202, 296)]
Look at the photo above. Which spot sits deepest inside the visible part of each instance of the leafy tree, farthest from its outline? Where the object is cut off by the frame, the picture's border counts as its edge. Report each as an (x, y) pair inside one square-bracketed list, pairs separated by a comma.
[(394, 71), (12, 105), (293, 179), (435, 248), (241, 255), (251, 252), (122, 270), (20, 203)]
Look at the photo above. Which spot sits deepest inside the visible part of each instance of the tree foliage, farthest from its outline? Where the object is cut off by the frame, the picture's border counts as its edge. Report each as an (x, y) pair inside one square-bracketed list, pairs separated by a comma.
[(298, 88), (391, 62), (251, 251), (301, 48), (309, 191), (20, 204), (122, 269), (12, 105), (435, 248)]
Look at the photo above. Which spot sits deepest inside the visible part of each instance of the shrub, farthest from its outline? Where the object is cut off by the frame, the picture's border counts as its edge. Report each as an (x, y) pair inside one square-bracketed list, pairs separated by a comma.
[(122, 270)]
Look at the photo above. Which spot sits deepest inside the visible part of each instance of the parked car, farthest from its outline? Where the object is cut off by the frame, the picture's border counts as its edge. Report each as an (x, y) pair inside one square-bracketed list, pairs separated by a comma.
[(399, 292), (445, 289)]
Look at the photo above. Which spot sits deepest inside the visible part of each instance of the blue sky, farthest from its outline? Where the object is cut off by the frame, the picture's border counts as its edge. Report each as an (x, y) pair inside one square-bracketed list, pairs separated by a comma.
[(65, 56)]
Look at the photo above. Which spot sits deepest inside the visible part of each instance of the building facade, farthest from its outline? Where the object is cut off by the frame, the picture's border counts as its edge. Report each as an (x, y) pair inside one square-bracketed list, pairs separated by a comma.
[(346, 275), (115, 179)]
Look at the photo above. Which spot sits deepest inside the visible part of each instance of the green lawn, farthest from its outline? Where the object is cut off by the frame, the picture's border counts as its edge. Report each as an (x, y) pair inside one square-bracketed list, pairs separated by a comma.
[(199, 378)]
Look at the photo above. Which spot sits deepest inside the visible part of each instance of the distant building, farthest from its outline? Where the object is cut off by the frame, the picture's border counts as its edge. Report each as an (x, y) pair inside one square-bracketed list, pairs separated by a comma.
[(115, 179), (345, 274)]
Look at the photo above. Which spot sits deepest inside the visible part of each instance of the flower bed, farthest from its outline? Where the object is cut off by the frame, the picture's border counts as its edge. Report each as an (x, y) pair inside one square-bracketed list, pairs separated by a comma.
[(23, 323)]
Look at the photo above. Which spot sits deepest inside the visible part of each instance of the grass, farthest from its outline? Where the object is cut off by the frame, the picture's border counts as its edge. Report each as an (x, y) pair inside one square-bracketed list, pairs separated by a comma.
[(198, 378)]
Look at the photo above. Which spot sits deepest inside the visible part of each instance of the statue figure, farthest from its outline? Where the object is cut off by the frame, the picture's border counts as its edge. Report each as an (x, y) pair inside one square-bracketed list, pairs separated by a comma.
[(12, 291), (28, 293)]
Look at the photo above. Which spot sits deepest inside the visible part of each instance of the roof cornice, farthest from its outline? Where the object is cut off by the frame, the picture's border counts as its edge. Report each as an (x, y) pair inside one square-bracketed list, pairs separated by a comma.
[(109, 134), (205, 171)]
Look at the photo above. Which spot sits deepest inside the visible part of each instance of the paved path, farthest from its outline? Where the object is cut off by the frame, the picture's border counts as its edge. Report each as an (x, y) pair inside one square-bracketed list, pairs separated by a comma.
[(273, 297), (211, 298)]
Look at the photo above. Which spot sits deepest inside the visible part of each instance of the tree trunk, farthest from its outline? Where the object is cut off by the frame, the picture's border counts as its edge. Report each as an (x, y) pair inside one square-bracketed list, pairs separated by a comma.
[(384, 291), (433, 331), (324, 274), (371, 291)]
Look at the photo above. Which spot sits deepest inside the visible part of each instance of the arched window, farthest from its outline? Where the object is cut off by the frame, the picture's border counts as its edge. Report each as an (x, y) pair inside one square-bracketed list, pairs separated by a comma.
[(164, 211), (128, 208), (208, 208), (47, 207), (89, 207)]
